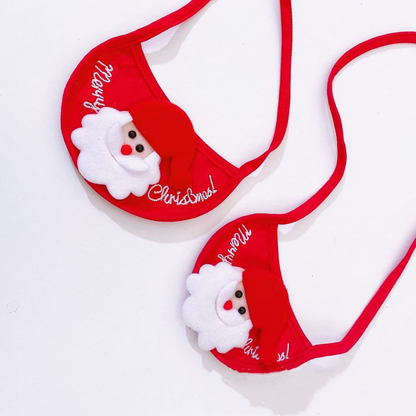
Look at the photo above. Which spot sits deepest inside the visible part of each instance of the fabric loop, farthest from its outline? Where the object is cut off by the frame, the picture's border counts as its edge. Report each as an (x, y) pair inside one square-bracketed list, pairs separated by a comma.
[(361, 324), (320, 196)]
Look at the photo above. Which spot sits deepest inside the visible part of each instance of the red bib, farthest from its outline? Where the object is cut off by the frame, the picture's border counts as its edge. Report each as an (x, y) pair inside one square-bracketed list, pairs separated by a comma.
[(137, 149), (238, 303)]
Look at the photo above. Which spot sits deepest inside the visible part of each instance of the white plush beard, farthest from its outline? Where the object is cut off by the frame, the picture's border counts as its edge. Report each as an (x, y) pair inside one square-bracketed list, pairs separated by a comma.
[(100, 160), (204, 313)]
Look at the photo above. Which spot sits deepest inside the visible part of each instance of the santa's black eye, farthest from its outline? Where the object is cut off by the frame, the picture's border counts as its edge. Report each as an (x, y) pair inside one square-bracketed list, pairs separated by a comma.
[(242, 310), (132, 134), (239, 294), (140, 148)]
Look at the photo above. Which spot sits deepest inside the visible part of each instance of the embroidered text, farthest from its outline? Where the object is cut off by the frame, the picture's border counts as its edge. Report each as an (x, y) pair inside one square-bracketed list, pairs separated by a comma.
[(100, 77), (249, 350), (253, 352), (241, 237), (161, 193)]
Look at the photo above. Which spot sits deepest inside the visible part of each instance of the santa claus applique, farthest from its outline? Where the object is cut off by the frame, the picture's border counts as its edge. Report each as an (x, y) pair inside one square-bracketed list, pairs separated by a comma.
[(227, 303), (123, 149)]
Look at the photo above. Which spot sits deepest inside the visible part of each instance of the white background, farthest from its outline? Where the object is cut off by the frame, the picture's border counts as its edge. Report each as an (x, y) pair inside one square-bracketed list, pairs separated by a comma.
[(90, 296)]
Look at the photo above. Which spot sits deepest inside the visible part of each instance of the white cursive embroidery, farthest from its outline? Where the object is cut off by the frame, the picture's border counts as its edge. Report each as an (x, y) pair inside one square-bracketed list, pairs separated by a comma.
[(99, 78), (249, 350), (284, 355), (161, 193), (240, 237), (253, 352)]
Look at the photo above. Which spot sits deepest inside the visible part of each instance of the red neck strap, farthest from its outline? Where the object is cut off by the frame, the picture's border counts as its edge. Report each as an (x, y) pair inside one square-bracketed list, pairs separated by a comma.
[(194, 7), (368, 314), (284, 91), (171, 20), (312, 203), (320, 196)]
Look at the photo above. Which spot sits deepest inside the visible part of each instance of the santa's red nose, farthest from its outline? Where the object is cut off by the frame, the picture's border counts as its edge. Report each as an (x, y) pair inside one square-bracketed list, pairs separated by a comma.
[(126, 150), (228, 305)]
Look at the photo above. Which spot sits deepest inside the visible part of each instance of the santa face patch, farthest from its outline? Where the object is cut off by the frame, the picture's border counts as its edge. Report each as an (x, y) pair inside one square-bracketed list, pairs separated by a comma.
[(106, 159), (117, 148), (138, 150), (227, 303), (221, 324)]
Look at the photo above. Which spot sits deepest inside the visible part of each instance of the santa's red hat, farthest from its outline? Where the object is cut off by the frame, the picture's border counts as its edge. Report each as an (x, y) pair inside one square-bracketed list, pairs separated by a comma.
[(268, 305), (169, 131)]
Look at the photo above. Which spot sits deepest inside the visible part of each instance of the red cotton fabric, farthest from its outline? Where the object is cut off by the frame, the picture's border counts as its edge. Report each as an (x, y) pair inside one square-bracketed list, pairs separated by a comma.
[(268, 301), (171, 134), (251, 243), (116, 74)]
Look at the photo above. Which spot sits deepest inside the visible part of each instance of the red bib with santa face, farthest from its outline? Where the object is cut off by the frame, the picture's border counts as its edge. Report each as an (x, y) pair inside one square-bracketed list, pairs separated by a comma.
[(136, 148), (238, 303)]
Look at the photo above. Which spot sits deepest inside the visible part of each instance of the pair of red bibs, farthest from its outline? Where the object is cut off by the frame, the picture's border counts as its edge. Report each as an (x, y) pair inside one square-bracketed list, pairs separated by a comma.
[(141, 153)]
